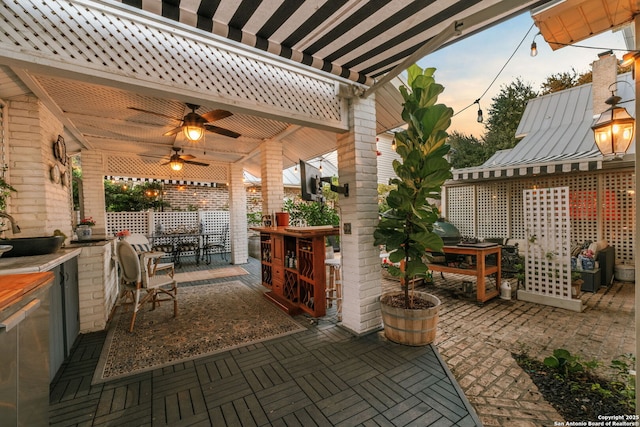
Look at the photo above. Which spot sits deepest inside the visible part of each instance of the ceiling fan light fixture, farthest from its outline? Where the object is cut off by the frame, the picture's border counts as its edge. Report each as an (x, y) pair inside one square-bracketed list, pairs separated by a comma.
[(193, 133), (176, 164), (193, 127)]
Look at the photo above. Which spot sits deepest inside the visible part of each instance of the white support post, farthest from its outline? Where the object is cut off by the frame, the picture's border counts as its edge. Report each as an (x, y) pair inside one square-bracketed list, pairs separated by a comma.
[(271, 170), (238, 217), (93, 201), (361, 277)]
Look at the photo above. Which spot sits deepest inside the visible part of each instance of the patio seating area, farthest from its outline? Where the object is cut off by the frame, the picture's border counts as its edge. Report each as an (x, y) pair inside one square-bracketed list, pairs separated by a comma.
[(329, 373)]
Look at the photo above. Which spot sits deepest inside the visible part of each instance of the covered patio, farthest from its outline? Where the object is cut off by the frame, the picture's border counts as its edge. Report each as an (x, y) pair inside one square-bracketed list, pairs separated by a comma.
[(112, 78), (467, 378)]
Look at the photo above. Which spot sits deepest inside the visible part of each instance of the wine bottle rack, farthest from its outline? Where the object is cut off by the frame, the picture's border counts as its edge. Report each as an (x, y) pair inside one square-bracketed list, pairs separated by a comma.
[(267, 279), (290, 289), (307, 296), (299, 289)]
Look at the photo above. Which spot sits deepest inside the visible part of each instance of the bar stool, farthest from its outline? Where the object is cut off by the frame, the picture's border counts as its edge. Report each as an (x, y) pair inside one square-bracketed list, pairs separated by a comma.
[(334, 291)]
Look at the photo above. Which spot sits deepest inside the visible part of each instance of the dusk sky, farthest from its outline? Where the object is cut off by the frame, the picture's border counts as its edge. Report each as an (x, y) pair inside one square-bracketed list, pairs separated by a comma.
[(468, 67)]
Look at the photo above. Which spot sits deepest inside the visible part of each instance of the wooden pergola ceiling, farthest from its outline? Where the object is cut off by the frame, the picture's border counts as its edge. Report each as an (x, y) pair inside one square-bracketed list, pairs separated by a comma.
[(564, 22)]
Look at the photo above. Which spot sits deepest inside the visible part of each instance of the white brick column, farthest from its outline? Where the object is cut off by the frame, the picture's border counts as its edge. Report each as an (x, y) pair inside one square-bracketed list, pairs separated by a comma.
[(40, 205), (93, 202), (361, 278), (271, 171), (238, 216)]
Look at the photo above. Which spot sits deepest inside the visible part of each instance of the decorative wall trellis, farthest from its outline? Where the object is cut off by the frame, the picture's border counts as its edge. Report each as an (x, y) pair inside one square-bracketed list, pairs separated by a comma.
[(619, 199), (464, 214), (492, 209), (74, 32), (548, 242), (602, 206), (136, 167)]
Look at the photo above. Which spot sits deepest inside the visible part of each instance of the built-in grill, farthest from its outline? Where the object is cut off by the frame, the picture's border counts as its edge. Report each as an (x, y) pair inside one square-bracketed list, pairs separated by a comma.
[(450, 236), (447, 231)]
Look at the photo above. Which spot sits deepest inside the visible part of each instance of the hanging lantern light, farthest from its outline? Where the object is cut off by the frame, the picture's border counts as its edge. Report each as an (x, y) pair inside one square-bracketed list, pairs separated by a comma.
[(613, 130)]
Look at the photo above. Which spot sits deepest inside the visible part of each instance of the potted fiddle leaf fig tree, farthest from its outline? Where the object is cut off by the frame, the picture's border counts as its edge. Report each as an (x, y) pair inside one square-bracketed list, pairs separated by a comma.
[(406, 229)]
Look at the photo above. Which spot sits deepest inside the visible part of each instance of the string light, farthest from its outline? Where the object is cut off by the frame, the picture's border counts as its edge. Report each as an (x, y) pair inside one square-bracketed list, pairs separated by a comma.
[(497, 75), (479, 118), (534, 46)]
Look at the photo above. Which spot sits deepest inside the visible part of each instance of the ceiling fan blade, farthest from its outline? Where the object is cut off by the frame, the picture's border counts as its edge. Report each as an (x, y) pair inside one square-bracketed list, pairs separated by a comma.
[(214, 115), (173, 131), (191, 162), (153, 112), (221, 131), (165, 163), (187, 157)]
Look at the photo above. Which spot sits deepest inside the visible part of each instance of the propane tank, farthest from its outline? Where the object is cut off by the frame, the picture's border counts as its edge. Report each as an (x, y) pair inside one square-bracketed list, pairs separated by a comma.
[(505, 290)]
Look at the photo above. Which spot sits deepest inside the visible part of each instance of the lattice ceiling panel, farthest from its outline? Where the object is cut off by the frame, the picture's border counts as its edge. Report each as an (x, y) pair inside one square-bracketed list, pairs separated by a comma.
[(135, 167), (139, 50)]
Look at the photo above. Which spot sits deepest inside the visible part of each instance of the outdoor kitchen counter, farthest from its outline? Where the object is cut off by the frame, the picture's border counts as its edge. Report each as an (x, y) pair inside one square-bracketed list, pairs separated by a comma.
[(13, 288), (37, 263)]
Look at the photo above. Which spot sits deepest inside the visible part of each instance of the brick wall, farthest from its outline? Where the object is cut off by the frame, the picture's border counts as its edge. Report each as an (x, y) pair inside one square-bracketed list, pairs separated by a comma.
[(187, 197), (183, 197), (40, 205), (98, 286)]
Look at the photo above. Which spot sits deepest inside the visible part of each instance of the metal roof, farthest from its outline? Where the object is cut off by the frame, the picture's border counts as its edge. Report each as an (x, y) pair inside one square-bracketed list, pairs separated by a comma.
[(556, 135)]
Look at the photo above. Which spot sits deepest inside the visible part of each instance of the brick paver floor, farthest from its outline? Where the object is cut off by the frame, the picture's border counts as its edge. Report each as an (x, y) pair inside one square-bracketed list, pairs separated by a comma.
[(477, 341)]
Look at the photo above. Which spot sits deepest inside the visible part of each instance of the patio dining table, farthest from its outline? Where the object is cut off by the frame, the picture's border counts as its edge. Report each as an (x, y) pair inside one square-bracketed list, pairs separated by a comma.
[(177, 245)]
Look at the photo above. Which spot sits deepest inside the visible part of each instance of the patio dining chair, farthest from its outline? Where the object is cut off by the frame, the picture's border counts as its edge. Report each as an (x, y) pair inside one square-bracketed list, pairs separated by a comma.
[(139, 285), (216, 244), (141, 244)]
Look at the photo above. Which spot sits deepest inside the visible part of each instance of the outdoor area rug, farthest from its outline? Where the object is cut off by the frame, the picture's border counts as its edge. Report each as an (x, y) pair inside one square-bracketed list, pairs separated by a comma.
[(214, 273), (211, 318)]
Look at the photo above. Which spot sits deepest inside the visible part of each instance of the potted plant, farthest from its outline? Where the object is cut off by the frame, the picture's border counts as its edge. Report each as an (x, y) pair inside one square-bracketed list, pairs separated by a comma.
[(406, 229), (83, 231)]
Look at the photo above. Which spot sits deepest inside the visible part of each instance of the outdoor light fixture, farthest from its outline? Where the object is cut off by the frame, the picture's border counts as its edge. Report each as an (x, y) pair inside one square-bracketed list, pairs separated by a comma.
[(629, 58), (613, 130), (534, 46), (176, 164), (479, 119), (393, 144), (193, 129)]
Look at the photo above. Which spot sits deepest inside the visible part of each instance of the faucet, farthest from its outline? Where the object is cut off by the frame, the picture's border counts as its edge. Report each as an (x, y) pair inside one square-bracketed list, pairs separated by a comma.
[(14, 227)]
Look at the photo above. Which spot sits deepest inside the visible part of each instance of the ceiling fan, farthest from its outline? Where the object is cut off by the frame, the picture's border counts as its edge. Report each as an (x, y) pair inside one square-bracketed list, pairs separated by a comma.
[(177, 161), (194, 125)]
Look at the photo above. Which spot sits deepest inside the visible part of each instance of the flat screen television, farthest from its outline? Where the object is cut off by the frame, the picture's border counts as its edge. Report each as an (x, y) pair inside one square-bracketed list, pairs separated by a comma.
[(310, 183)]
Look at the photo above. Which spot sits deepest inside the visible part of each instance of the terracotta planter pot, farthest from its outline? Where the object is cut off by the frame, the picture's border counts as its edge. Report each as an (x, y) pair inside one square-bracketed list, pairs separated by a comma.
[(410, 327)]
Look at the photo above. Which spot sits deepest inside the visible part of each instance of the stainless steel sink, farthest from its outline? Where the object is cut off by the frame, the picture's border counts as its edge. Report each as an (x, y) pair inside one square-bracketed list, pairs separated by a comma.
[(27, 246)]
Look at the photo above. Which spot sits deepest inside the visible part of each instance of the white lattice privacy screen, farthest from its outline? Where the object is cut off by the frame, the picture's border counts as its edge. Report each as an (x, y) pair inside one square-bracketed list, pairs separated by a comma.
[(602, 206), (548, 242), (212, 222), (464, 214)]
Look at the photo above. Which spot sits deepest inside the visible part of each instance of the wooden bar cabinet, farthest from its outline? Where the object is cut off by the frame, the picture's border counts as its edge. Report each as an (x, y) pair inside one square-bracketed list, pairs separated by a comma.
[(299, 285)]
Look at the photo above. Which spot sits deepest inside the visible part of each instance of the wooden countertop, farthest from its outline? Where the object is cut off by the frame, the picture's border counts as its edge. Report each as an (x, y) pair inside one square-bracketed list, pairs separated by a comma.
[(13, 287), (300, 231)]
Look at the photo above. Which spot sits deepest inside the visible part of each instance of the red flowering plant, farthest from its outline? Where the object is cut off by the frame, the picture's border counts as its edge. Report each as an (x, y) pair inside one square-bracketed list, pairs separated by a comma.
[(87, 221), (123, 233)]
